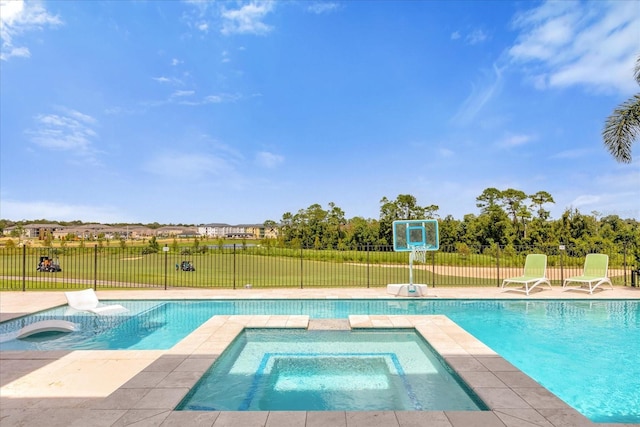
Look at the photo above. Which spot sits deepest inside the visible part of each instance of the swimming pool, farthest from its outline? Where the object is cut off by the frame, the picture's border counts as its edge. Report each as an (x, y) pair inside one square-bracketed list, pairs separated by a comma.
[(299, 370), (586, 352)]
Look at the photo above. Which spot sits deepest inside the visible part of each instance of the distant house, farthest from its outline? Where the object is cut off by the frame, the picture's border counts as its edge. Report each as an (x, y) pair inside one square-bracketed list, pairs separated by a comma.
[(35, 231), (177, 231), (140, 232), (85, 232)]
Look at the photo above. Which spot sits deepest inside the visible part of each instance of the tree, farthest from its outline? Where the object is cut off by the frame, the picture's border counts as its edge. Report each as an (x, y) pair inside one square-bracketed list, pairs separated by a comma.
[(488, 200), (450, 231), (153, 246), (539, 199), (405, 207), (622, 127), (512, 200), (336, 222)]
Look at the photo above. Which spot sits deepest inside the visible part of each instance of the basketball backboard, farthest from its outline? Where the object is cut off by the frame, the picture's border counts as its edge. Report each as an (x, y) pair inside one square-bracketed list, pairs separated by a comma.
[(415, 232)]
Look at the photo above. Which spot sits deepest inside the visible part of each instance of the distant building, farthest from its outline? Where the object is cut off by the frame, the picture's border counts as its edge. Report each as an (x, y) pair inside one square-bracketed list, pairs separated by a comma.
[(241, 231), (177, 231), (135, 232), (35, 231)]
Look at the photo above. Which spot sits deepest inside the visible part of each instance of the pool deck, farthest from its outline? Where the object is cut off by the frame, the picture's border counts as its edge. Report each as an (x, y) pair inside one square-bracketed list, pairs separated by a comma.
[(141, 388)]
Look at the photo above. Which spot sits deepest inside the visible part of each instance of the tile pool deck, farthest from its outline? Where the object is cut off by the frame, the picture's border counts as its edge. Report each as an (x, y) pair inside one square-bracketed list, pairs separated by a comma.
[(141, 388)]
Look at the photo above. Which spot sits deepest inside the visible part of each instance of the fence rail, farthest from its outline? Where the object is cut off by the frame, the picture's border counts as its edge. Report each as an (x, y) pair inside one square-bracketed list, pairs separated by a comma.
[(237, 266)]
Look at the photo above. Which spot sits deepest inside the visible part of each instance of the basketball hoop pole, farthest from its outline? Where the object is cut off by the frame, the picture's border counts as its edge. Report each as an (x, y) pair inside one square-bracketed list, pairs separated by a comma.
[(411, 257), (419, 253)]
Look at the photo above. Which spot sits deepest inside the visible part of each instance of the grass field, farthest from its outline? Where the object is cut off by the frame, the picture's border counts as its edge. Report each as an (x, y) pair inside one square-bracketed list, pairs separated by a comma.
[(129, 267)]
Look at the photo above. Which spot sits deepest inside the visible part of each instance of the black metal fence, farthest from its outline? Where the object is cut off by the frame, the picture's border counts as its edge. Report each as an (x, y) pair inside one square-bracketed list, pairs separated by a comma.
[(236, 266)]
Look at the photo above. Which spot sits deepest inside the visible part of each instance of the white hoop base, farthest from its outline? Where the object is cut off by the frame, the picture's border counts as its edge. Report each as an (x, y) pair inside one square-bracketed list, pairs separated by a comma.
[(407, 290)]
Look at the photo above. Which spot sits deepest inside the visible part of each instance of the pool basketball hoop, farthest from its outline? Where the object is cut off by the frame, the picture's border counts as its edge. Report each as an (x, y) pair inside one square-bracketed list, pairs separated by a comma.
[(417, 237)]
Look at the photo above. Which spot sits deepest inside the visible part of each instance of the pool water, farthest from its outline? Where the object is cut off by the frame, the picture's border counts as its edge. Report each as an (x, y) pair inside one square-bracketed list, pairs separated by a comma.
[(147, 325), (585, 352), (294, 370)]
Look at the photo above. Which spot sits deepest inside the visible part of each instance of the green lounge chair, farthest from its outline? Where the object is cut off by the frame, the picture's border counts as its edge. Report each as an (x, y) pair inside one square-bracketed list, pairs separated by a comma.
[(596, 267), (535, 273)]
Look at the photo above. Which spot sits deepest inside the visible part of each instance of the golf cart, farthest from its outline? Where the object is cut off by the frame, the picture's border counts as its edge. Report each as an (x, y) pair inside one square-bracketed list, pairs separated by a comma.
[(185, 266), (48, 265)]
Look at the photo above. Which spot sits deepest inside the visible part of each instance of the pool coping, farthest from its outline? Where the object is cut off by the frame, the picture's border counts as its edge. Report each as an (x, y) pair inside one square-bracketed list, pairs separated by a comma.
[(125, 387)]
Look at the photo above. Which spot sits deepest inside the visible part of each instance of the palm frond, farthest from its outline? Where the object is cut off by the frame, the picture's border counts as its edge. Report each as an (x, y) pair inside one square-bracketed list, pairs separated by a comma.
[(622, 128)]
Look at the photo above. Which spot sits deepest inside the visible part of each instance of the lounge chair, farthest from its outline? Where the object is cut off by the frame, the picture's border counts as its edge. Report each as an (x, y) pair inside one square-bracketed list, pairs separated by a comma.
[(596, 268), (535, 273), (87, 300), (47, 326)]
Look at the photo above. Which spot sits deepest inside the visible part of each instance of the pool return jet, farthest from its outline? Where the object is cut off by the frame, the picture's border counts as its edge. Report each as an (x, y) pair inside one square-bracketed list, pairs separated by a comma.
[(416, 236)]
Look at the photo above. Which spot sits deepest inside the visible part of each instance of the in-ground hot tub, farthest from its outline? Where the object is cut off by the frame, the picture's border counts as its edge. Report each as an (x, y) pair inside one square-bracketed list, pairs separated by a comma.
[(278, 370)]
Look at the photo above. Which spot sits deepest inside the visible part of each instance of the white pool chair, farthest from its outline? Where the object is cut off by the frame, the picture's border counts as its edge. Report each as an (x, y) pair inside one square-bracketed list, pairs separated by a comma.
[(47, 326), (595, 273), (87, 300), (535, 273)]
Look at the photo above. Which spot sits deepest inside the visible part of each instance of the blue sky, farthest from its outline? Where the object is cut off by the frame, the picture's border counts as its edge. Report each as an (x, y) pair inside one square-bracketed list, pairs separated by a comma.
[(198, 112)]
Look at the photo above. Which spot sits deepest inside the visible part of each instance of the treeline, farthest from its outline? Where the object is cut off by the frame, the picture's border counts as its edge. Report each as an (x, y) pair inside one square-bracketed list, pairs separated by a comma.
[(506, 218)]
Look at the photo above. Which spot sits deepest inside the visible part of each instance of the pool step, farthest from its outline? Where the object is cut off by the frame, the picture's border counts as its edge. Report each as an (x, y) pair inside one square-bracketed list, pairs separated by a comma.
[(329, 324)]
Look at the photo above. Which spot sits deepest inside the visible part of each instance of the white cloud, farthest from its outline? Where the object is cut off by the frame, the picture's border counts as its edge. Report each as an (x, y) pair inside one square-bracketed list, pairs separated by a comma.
[(627, 179), (515, 140), (189, 166), (70, 130), (61, 212), (322, 7), (19, 52), (168, 80), (585, 200), (180, 93), (213, 99), (592, 44), (479, 97), (476, 36), (247, 20), (175, 62), (269, 160), (209, 99), (571, 154), (18, 17)]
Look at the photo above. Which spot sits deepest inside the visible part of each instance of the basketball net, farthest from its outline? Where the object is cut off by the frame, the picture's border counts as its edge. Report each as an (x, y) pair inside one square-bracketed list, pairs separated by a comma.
[(419, 253)]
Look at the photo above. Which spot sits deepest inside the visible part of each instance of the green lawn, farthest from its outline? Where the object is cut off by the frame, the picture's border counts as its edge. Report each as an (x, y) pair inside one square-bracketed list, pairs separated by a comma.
[(228, 268)]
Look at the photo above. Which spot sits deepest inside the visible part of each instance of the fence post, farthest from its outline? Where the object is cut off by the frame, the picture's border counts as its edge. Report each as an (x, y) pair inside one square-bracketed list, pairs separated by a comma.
[(562, 249), (24, 267), (433, 269), (498, 265), (166, 253), (301, 266), (368, 273), (624, 261), (234, 266), (95, 267)]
